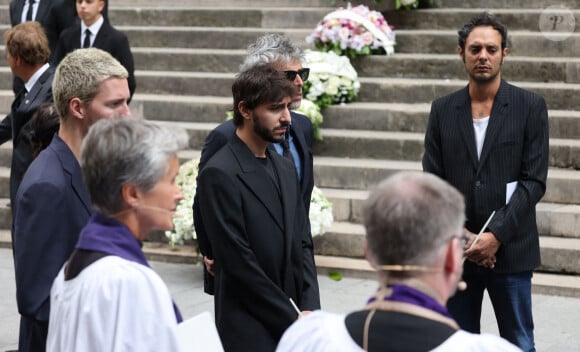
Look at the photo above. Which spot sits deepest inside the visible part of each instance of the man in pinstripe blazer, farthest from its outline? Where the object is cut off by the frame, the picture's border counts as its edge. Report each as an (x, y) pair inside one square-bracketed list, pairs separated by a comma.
[(490, 140)]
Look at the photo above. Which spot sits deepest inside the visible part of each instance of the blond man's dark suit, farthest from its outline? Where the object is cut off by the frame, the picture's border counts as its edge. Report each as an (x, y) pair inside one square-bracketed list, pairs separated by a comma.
[(261, 244)]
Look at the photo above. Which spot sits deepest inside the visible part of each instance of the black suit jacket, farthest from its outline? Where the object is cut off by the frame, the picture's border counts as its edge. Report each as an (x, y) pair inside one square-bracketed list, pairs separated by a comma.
[(108, 39), (54, 15), (51, 207), (18, 121), (515, 149), (261, 244), (302, 135)]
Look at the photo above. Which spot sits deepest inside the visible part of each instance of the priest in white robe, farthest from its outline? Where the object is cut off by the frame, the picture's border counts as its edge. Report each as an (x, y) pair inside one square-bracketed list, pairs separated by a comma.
[(414, 239), (106, 297)]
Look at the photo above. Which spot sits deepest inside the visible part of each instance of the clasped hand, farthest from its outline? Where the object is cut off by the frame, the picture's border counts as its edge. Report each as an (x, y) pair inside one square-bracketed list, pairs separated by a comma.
[(483, 253)]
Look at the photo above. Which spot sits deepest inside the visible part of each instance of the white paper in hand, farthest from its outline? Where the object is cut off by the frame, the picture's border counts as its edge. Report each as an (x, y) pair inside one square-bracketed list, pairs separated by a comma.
[(198, 334)]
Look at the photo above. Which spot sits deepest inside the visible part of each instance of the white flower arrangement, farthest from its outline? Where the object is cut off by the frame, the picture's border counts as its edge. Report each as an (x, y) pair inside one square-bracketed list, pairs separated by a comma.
[(320, 207), (354, 31), (312, 111), (320, 213), (332, 80), (183, 228)]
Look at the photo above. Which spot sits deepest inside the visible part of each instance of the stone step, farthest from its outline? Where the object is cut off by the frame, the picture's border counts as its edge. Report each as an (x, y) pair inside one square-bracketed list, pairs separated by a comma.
[(564, 153), (563, 185), (269, 16), (518, 19), (559, 96), (265, 17), (224, 3), (553, 219), (205, 37), (543, 282), (401, 65), (506, 4), (521, 43), (450, 66), (413, 118), (347, 240), (372, 144), (354, 116)]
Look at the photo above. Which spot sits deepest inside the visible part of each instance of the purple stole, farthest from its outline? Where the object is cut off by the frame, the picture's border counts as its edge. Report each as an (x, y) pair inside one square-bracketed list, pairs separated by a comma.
[(107, 235)]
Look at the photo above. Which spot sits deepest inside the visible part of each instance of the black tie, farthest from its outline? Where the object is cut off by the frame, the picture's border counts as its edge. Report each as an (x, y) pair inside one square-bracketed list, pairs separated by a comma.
[(286, 150), (87, 42), (29, 12)]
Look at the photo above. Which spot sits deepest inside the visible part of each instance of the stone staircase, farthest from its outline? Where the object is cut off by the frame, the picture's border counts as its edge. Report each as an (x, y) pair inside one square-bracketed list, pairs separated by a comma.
[(187, 52)]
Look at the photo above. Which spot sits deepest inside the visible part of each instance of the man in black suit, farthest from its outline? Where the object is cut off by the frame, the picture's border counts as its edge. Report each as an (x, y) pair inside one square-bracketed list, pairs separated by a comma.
[(93, 30), (255, 219), (27, 52), (53, 15), (490, 141), (278, 50)]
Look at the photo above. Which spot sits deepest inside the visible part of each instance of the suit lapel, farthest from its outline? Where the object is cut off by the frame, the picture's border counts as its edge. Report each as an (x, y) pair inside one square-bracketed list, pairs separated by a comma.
[(496, 120), (42, 11), (18, 11), (101, 38), (257, 179), (465, 123), (33, 94), (288, 189), (71, 166)]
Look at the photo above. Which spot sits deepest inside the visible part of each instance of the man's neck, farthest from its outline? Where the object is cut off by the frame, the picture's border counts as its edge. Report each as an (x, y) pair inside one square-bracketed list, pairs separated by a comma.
[(484, 91), (93, 22), (255, 143), (28, 72), (72, 136)]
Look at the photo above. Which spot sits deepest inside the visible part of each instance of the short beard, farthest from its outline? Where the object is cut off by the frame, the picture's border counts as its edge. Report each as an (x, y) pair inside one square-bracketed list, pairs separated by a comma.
[(263, 132)]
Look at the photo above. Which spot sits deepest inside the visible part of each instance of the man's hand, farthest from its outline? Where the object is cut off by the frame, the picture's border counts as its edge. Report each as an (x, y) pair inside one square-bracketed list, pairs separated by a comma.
[(304, 313), (208, 265), (483, 253)]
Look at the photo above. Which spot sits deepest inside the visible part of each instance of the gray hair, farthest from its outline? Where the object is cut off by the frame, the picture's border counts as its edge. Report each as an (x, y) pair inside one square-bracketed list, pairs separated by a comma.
[(80, 74), (409, 217), (128, 150), (272, 49)]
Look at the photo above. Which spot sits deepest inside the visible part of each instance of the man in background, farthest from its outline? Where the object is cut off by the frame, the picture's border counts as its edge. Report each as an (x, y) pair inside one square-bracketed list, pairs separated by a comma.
[(27, 53), (490, 141), (94, 30)]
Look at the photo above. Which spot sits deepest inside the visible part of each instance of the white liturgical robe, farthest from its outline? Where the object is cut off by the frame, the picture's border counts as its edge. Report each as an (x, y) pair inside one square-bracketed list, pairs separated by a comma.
[(327, 332), (112, 305)]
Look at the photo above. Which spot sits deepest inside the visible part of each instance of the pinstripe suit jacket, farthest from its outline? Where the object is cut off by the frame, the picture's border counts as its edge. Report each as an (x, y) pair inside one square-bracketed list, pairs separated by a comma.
[(515, 149)]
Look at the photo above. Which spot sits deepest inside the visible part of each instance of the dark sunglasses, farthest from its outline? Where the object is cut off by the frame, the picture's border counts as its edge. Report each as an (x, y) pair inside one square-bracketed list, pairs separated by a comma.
[(303, 73)]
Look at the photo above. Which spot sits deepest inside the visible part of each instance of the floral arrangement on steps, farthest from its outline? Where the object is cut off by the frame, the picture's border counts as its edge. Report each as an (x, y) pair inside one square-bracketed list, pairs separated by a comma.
[(183, 228), (320, 214), (320, 207), (354, 31), (332, 80), (312, 111)]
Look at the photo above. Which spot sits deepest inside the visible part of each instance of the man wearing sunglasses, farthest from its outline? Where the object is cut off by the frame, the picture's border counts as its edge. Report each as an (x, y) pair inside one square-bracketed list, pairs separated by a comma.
[(277, 50)]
